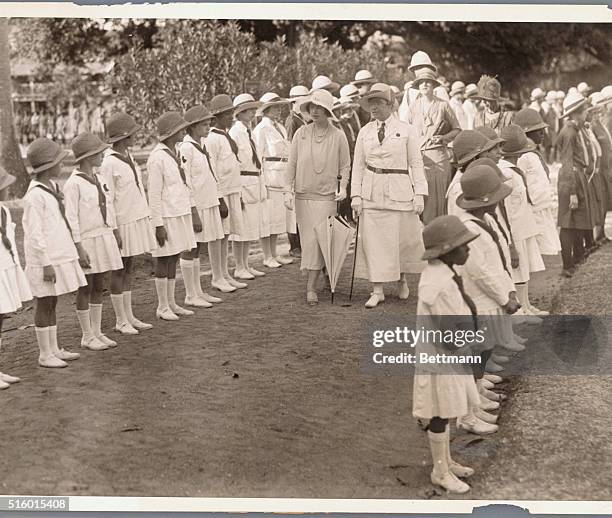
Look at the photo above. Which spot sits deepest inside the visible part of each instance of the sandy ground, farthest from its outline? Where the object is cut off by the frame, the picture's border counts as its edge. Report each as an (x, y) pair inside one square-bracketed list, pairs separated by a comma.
[(263, 396)]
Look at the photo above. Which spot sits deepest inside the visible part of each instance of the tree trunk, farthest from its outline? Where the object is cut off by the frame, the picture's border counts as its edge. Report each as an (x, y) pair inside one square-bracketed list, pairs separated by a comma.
[(10, 155)]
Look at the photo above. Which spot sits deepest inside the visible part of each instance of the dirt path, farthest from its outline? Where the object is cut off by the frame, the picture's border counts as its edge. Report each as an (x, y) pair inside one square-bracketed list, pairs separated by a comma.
[(259, 396)]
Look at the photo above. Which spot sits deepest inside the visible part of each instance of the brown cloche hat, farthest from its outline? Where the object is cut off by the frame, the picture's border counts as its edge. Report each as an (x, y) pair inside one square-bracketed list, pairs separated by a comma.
[(44, 154), (443, 234), (529, 120), (516, 142), (120, 126), (85, 145), (197, 114), (170, 123), (481, 187), (469, 144)]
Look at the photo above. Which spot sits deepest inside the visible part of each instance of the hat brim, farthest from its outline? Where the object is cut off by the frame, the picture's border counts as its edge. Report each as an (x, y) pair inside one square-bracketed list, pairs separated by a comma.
[(418, 81), (102, 147), (455, 92), (491, 99), (462, 239), (174, 131), (117, 138), (501, 193), (249, 105), (305, 108), (528, 148), (358, 82), (575, 107), (223, 109), (331, 87), (433, 67), (201, 119), (488, 147), (364, 102), (264, 106), (7, 180), (45, 167), (535, 127)]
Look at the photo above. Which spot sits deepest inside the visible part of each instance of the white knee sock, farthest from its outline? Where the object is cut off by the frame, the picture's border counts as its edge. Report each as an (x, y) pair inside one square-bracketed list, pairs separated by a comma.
[(127, 305), (42, 337), (53, 347), (197, 285), (83, 315), (187, 271), (119, 307), (95, 317), (170, 287), (161, 287)]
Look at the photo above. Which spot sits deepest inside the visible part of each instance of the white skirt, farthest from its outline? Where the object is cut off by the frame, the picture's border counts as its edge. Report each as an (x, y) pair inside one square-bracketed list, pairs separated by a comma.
[(530, 259), (309, 214), (104, 254), (390, 243), (255, 222), (443, 395), (137, 238), (69, 277), (181, 237), (548, 238), (282, 220), (212, 225), (498, 329), (233, 223), (14, 289)]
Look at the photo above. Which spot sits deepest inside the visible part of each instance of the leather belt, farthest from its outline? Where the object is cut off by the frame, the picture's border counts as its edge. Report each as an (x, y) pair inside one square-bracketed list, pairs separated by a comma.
[(275, 159), (379, 170), (250, 173)]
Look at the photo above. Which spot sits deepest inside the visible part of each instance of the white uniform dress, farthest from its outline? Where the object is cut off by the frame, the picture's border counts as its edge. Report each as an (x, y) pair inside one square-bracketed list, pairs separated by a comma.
[(486, 280), (273, 146), (84, 213), (170, 200), (390, 232), (470, 110), (453, 393), (204, 185), (453, 192), (128, 198), (254, 193), (14, 287), (47, 241), (226, 166), (541, 193), (523, 226)]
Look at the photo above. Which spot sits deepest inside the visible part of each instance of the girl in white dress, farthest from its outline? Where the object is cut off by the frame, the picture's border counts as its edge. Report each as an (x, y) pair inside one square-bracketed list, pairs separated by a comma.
[(173, 210), (196, 162), (91, 218), (134, 231), (14, 287), (53, 262)]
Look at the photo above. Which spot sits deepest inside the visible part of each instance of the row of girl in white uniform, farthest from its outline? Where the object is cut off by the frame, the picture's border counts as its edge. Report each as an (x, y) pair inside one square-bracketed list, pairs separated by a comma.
[(204, 186)]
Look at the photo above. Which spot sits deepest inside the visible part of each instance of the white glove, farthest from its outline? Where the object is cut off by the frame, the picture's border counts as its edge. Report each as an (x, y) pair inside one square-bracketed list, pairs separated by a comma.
[(340, 195), (288, 200), (419, 204), (357, 206)]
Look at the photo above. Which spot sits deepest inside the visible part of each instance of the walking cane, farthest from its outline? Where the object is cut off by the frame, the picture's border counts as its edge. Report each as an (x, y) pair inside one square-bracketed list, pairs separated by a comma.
[(339, 178), (354, 259)]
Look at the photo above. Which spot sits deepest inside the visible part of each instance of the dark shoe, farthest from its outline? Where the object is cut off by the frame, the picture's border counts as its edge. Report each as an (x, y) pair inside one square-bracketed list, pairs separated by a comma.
[(295, 252), (567, 273)]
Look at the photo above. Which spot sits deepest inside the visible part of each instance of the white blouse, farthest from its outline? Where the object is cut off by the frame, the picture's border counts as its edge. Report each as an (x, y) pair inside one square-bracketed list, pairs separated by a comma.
[(202, 179), (520, 213), (272, 142), (540, 189), (224, 163)]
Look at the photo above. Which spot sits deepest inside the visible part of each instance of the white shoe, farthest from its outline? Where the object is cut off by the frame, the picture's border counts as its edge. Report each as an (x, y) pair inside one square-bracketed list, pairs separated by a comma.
[(223, 286), (51, 362), (3, 385), (460, 471), (374, 300), (272, 263), (93, 344), (490, 395), (450, 483), (487, 384), (485, 416), (126, 329), (197, 302), (209, 298), (166, 314), (522, 316), (243, 274), (519, 339), (178, 310), (513, 346), (404, 292), (493, 367), (106, 340), (255, 272), (472, 424), (9, 379), (537, 312), (236, 284), (139, 325), (283, 260), (487, 404), (67, 356), (493, 378), (500, 358)]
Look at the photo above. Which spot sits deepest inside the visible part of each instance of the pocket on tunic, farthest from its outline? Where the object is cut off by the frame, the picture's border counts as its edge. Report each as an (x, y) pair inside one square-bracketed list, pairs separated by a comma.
[(400, 187), (251, 193)]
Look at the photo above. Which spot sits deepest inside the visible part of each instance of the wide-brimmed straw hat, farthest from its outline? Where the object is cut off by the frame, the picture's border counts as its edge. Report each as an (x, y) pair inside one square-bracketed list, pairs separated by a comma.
[(170, 123), (120, 126), (421, 59), (468, 144), (44, 154), (425, 74), (245, 102), (489, 89), (324, 83), (298, 93), (443, 235), (85, 145), (270, 99), (220, 104), (349, 90), (457, 87), (363, 77), (516, 142), (471, 90), (6, 179), (321, 98), (607, 91), (572, 102), (198, 113), (599, 100), (481, 187), (529, 120)]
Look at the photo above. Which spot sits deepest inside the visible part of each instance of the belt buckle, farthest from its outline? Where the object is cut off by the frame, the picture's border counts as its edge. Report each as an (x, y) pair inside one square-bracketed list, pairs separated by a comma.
[(378, 170)]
